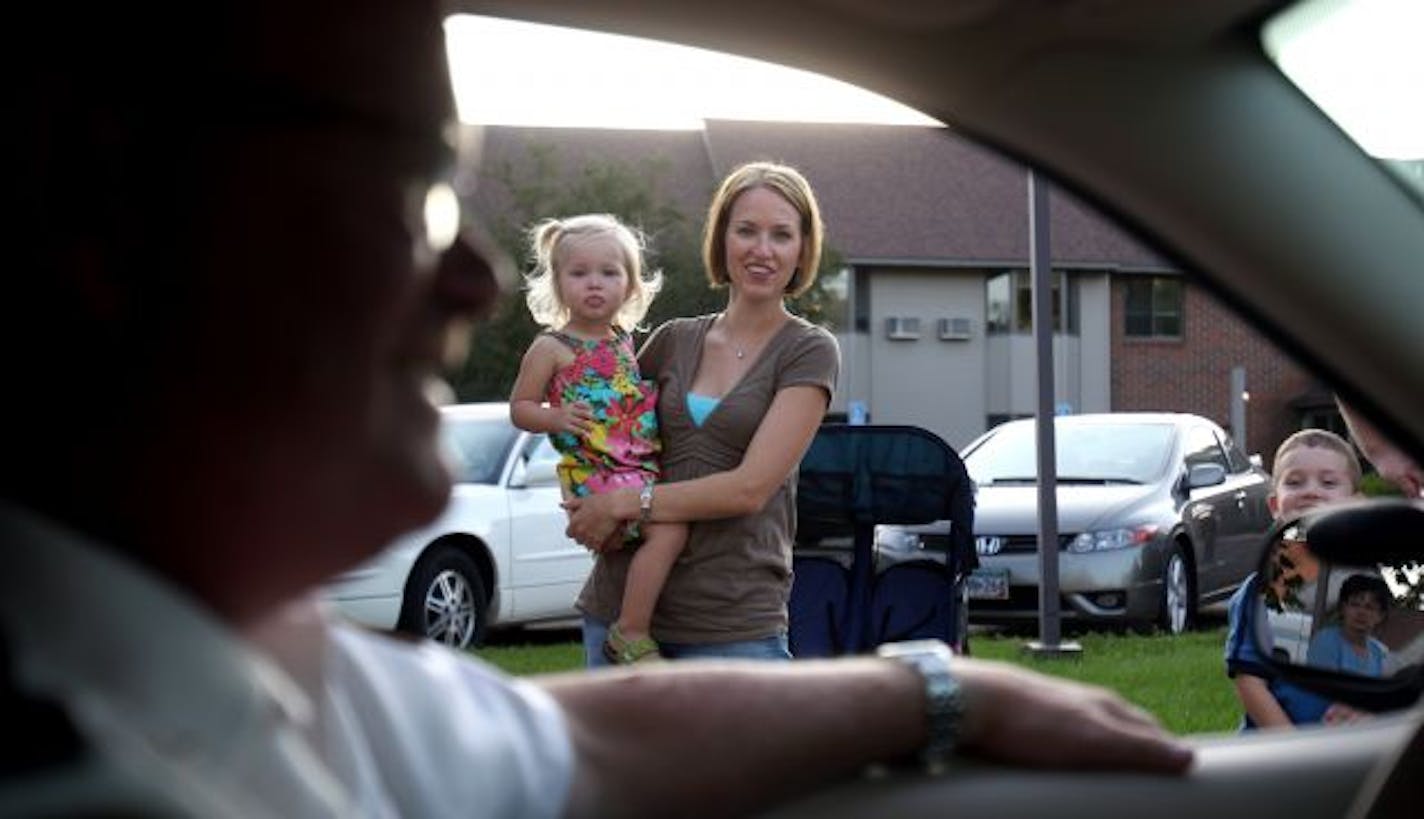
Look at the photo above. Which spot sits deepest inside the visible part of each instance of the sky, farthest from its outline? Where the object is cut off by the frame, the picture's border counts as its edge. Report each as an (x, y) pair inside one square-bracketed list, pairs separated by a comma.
[(514, 73)]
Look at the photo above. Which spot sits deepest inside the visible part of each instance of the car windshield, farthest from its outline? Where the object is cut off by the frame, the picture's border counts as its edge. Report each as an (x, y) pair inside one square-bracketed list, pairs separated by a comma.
[(477, 447), (1117, 453)]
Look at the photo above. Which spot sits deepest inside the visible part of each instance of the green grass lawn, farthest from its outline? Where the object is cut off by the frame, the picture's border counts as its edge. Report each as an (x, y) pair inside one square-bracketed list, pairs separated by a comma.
[(534, 658), (1180, 679)]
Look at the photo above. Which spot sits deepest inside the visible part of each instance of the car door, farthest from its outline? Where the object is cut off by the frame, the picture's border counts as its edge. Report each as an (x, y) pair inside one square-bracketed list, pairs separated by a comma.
[(1250, 486), (547, 569), (1210, 512)]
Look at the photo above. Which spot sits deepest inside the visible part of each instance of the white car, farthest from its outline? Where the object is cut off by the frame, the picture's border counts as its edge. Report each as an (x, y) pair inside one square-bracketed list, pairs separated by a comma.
[(1288, 635), (496, 556)]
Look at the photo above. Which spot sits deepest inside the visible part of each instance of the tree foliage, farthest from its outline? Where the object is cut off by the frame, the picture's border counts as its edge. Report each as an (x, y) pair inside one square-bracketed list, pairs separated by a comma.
[(540, 187)]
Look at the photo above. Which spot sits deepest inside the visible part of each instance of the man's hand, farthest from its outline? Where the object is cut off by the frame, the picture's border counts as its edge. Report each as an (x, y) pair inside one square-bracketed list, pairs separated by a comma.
[(1018, 716)]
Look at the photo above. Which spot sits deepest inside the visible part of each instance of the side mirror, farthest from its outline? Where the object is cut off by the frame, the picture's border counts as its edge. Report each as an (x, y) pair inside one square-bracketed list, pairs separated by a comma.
[(1339, 597), (1200, 475)]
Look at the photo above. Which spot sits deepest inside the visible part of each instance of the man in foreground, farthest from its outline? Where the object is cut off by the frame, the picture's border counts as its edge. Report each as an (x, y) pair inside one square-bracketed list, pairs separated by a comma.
[(232, 303)]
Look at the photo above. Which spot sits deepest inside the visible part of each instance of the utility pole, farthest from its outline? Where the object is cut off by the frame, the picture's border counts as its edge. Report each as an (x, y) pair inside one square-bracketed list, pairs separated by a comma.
[(1239, 397), (1050, 642)]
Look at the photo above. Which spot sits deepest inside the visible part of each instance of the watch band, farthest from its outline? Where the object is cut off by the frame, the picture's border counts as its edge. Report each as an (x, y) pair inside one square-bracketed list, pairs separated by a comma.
[(944, 700)]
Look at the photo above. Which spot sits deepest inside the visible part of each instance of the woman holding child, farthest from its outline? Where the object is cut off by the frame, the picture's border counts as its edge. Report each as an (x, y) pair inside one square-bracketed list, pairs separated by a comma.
[(741, 394)]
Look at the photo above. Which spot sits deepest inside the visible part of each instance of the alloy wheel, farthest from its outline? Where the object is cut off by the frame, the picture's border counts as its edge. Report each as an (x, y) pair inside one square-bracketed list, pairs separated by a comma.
[(449, 609), (1176, 591)]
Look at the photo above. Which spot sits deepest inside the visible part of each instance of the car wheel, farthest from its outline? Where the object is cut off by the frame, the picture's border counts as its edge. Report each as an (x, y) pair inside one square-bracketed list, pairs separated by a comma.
[(445, 599), (1178, 605)]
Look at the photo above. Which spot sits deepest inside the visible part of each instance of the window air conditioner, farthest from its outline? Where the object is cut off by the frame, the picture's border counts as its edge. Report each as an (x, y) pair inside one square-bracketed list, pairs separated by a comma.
[(955, 329), (902, 328)]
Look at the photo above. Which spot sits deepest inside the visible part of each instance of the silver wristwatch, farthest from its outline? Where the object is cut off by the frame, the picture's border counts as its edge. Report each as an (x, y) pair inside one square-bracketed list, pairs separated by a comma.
[(944, 700)]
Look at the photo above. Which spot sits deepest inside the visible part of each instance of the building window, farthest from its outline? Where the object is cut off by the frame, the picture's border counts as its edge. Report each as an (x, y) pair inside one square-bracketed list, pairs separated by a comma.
[(1154, 307), (1009, 303)]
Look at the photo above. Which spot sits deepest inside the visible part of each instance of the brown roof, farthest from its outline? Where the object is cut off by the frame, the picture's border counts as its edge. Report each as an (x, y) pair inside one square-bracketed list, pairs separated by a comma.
[(888, 193)]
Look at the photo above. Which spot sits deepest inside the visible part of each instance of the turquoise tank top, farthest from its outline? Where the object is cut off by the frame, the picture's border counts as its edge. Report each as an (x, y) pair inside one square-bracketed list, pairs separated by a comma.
[(700, 406)]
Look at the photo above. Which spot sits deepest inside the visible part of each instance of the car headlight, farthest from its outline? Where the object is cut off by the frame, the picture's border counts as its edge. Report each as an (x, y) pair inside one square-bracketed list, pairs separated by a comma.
[(1109, 539), (895, 539)]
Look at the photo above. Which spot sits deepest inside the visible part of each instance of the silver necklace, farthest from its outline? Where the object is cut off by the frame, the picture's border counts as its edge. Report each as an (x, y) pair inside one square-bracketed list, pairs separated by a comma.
[(738, 350)]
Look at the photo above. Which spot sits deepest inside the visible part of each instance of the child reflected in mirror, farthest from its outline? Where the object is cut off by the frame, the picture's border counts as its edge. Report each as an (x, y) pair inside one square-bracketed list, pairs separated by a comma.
[(1349, 643)]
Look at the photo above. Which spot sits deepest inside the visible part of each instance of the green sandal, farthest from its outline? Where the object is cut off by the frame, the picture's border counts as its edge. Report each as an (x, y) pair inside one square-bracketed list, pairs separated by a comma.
[(619, 650)]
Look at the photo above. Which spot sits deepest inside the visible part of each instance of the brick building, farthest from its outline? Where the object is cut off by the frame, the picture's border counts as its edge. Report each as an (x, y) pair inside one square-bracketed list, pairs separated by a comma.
[(1191, 371)]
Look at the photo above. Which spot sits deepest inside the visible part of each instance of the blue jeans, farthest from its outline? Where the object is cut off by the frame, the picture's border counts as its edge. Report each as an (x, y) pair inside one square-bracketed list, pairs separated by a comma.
[(774, 648)]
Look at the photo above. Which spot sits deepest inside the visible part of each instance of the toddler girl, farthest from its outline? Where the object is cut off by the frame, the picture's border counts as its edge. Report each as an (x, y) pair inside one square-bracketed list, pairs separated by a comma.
[(579, 382)]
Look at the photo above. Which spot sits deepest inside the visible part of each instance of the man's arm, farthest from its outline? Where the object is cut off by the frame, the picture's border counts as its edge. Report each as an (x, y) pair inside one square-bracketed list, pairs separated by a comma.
[(724, 739)]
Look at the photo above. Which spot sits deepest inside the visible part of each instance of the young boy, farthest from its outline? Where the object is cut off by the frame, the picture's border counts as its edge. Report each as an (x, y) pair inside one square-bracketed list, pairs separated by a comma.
[(1312, 468)]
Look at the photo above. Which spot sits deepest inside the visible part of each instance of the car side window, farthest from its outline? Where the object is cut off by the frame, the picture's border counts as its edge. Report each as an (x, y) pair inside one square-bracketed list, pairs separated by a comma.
[(1234, 456), (540, 450), (477, 449), (1202, 448)]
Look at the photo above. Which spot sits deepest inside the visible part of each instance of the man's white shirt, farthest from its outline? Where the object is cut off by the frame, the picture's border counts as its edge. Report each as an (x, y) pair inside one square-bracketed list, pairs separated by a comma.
[(303, 717)]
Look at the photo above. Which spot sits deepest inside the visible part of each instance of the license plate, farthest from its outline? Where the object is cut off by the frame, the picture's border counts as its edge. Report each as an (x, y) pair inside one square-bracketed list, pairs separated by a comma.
[(989, 584)]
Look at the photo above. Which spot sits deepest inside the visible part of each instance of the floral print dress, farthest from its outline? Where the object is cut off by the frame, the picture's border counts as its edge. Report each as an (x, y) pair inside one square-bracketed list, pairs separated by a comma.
[(622, 450)]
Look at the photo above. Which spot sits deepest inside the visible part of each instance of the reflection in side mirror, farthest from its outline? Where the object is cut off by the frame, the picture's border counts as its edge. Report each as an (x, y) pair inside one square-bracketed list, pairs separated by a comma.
[(1359, 613)]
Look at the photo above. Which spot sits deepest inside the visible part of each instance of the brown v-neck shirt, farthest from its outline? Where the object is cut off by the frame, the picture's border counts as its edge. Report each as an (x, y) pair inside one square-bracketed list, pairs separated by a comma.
[(733, 578)]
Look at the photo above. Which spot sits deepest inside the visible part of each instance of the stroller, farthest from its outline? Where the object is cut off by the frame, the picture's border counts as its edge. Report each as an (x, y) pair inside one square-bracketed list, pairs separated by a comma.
[(852, 478)]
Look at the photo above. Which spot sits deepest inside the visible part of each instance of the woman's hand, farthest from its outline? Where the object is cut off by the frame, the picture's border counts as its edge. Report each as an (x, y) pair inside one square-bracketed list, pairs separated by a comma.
[(595, 521)]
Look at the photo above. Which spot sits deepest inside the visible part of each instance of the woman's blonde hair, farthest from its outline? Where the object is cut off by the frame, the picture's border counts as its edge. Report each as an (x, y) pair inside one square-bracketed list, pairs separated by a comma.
[(791, 186), (547, 241)]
